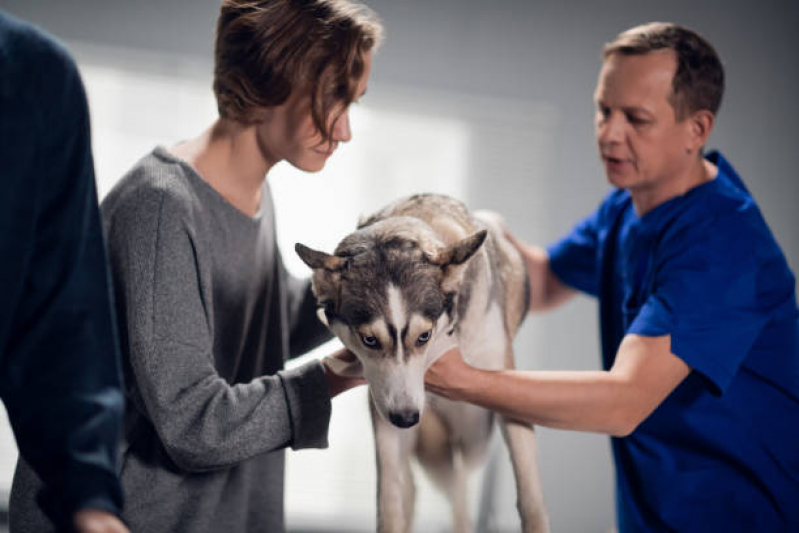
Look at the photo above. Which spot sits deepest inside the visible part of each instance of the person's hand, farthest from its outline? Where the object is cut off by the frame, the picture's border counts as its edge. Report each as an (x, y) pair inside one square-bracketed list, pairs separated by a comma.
[(342, 372), (447, 374), (97, 521)]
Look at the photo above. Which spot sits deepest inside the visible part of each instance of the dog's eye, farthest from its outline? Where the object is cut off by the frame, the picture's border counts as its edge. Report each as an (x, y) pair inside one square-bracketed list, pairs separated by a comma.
[(424, 337), (370, 342)]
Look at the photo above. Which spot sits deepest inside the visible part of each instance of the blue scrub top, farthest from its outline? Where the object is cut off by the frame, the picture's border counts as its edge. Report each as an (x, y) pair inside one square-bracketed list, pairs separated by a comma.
[(721, 453)]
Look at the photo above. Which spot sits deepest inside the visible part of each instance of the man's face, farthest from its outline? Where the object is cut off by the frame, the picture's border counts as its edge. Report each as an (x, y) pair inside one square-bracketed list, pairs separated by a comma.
[(287, 132), (641, 144)]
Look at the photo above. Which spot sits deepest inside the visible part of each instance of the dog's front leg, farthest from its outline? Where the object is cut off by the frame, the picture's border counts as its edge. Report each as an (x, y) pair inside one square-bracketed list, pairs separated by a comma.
[(395, 487), (522, 447)]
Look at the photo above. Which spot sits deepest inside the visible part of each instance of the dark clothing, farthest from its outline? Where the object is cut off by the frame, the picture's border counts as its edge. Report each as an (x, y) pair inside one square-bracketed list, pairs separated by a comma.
[(720, 453), (59, 371), (208, 316)]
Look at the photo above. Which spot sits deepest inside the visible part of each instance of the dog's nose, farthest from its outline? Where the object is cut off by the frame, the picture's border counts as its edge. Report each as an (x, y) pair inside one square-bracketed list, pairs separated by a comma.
[(404, 419)]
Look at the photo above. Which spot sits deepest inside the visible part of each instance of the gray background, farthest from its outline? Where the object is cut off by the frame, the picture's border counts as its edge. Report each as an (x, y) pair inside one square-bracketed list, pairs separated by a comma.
[(542, 55)]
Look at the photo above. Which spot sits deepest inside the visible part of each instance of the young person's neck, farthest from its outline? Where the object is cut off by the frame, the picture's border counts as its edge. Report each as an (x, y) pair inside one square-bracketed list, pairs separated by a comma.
[(647, 199), (227, 156)]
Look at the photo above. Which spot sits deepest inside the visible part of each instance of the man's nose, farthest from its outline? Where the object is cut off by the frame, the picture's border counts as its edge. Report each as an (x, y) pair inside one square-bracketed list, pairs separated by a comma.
[(610, 129)]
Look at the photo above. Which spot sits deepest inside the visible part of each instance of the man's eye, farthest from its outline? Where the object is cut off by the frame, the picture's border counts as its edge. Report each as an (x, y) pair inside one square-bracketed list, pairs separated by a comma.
[(423, 338), (370, 342)]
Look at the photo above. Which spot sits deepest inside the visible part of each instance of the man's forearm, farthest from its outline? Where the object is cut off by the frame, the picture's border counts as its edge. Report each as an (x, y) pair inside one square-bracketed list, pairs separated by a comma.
[(644, 373), (546, 290), (595, 401)]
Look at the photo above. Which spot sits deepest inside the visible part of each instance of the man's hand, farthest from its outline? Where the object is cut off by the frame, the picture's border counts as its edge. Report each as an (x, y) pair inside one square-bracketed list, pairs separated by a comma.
[(449, 373), (97, 521)]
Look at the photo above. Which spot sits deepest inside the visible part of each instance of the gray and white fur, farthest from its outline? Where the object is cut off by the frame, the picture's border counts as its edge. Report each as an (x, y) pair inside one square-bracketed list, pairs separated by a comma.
[(416, 277)]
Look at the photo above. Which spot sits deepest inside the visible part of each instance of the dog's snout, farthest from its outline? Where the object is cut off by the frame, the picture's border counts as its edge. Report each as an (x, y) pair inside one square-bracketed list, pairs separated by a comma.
[(404, 419)]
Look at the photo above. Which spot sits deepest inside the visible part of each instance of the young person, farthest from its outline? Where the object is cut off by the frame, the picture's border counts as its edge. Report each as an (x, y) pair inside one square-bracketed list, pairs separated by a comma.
[(700, 328), (60, 377), (208, 314)]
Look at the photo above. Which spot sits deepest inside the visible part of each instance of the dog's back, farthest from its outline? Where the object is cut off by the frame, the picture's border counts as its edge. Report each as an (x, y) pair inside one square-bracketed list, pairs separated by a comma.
[(452, 221)]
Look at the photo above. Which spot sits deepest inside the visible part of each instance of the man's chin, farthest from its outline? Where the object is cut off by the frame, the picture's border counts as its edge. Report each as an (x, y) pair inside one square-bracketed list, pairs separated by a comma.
[(619, 180)]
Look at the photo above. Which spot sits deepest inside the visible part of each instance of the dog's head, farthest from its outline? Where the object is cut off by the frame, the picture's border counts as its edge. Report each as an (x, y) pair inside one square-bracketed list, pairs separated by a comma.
[(388, 293)]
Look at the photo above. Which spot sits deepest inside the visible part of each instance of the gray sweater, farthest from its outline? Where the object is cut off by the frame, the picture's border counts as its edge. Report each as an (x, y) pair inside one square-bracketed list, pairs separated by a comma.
[(208, 315)]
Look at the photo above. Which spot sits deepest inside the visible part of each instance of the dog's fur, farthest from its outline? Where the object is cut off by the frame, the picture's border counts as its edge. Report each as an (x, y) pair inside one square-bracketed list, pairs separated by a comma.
[(417, 276)]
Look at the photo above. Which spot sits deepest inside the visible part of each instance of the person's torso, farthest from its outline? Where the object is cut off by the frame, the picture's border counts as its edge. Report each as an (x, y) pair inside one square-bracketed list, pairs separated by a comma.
[(238, 277), (701, 458)]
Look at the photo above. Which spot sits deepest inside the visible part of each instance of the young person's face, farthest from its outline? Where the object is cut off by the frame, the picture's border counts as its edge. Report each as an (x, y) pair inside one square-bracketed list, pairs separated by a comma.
[(289, 133), (641, 143)]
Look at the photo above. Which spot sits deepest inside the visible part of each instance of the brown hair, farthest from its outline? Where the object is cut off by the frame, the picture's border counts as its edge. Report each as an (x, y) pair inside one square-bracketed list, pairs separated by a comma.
[(267, 49), (699, 79)]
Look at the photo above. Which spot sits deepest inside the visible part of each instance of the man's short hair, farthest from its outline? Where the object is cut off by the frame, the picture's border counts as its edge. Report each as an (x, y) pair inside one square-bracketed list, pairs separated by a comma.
[(698, 82), (267, 49)]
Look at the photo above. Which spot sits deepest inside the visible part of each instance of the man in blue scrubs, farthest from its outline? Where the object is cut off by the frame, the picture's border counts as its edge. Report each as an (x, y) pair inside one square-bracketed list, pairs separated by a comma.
[(700, 328)]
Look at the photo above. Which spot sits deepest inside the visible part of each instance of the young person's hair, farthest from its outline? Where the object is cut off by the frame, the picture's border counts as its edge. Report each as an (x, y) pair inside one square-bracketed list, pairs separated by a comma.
[(267, 49), (698, 82)]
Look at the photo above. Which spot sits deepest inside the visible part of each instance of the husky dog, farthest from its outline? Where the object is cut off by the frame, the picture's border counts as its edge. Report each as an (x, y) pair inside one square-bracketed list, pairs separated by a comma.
[(418, 276)]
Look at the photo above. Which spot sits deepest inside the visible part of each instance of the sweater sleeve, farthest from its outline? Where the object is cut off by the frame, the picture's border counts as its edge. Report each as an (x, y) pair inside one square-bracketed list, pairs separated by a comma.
[(61, 381), (306, 330), (203, 422)]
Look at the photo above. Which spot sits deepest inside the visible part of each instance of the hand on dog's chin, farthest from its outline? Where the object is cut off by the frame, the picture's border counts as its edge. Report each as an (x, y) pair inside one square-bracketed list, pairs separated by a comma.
[(337, 383)]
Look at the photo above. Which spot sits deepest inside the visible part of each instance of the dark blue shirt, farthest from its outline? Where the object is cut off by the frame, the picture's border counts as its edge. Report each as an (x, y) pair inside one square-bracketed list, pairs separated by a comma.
[(721, 453), (60, 377)]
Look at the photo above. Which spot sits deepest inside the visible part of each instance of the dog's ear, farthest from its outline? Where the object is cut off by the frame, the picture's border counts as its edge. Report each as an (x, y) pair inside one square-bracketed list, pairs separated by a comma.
[(316, 259), (461, 251), (327, 271), (453, 259)]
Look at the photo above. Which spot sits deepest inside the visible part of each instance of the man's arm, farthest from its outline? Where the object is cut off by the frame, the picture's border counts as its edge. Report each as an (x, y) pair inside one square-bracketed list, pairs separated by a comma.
[(613, 402), (546, 290)]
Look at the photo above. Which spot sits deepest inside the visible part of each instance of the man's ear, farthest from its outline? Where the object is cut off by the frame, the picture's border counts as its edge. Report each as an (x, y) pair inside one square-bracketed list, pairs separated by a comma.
[(327, 271), (701, 126), (453, 259)]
